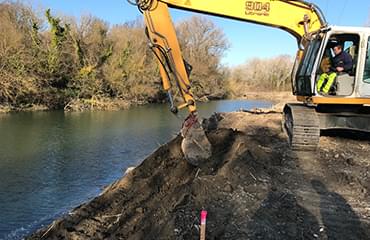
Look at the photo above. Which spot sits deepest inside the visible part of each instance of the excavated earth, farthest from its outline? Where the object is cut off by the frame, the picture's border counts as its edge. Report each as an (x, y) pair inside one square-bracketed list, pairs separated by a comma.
[(253, 187)]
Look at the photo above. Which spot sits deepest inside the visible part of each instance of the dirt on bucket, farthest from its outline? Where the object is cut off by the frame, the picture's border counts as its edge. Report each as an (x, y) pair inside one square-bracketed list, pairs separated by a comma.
[(253, 187)]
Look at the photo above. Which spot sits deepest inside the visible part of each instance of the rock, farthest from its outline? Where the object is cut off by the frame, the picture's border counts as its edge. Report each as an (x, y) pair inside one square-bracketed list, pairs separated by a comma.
[(228, 188), (139, 210), (129, 169), (350, 162)]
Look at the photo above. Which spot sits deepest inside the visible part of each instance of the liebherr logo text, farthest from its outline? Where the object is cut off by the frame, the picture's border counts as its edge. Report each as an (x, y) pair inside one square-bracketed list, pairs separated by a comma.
[(257, 8)]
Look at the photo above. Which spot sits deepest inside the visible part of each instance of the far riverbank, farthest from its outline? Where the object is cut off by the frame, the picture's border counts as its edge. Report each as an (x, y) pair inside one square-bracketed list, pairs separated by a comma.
[(104, 104)]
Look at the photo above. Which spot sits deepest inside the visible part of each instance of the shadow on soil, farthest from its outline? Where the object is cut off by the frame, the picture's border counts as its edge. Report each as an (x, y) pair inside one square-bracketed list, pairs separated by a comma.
[(338, 217), (281, 216)]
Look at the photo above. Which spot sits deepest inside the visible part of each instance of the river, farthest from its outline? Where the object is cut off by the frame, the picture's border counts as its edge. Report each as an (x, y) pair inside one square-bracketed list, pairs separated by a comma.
[(50, 162)]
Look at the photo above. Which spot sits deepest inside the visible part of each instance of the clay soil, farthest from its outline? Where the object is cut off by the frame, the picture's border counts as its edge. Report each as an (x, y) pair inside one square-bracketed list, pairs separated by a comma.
[(253, 187)]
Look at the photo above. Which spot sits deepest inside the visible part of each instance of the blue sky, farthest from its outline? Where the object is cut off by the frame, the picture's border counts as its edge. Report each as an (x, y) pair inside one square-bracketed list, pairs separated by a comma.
[(247, 40)]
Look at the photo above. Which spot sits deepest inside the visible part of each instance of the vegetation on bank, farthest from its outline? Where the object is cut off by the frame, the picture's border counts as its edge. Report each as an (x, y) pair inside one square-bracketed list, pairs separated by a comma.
[(272, 74), (57, 62)]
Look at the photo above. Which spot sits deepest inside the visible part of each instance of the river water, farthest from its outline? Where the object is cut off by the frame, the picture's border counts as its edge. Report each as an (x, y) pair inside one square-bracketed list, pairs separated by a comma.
[(51, 162)]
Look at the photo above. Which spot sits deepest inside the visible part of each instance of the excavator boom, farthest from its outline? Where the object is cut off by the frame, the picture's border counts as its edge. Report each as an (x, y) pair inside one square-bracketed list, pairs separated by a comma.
[(288, 15)]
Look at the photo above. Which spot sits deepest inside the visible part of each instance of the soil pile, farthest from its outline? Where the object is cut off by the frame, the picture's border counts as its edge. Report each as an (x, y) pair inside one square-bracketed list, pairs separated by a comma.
[(253, 187)]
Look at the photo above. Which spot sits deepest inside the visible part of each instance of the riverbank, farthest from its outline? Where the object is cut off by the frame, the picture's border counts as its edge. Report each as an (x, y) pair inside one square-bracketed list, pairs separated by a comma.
[(277, 97), (26, 108), (79, 105), (102, 104), (253, 187)]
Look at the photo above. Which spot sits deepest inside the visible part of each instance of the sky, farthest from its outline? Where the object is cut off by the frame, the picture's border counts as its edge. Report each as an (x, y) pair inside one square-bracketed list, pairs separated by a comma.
[(247, 40)]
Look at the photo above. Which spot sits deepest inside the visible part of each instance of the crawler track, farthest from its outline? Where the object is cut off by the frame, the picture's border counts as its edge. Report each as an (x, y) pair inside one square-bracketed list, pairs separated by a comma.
[(302, 126)]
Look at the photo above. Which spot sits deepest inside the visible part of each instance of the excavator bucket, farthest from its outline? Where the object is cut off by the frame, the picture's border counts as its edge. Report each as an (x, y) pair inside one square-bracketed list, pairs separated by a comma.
[(195, 145)]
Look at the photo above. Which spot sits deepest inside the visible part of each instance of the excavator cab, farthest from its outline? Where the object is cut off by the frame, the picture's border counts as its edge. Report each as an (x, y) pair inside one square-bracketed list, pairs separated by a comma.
[(345, 107), (317, 58)]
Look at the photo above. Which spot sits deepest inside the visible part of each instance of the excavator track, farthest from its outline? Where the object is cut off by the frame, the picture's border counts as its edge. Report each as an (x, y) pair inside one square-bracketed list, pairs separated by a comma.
[(302, 126)]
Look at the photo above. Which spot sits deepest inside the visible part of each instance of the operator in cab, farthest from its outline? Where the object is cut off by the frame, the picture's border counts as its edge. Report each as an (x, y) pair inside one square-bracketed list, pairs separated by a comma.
[(342, 63)]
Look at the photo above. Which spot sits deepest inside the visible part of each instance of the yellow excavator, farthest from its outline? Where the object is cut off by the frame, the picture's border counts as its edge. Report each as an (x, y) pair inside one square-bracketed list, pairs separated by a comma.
[(344, 107)]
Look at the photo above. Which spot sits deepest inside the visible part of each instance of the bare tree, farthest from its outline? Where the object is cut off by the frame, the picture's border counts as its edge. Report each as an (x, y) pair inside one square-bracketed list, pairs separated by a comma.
[(16, 84), (203, 45), (261, 74)]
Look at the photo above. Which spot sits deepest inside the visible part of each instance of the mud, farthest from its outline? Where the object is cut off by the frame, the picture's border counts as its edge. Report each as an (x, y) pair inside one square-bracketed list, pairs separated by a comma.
[(253, 187)]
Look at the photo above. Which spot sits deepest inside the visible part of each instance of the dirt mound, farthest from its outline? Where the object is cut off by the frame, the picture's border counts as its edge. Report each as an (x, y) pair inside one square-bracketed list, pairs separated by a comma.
[(253, 188)]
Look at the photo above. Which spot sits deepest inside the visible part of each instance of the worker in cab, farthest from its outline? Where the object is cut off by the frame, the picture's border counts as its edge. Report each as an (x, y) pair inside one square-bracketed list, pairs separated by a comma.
[(342, 63)]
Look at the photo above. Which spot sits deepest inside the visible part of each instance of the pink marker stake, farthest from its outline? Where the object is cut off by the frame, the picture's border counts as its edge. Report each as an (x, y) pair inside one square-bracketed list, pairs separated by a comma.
[(203, 217)]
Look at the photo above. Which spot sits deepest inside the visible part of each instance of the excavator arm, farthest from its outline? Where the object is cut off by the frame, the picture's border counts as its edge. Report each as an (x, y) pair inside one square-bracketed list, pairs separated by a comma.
[(299, 18)]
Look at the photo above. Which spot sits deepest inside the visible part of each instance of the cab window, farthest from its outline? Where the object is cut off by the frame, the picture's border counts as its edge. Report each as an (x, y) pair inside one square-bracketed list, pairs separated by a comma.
[(367, 63)]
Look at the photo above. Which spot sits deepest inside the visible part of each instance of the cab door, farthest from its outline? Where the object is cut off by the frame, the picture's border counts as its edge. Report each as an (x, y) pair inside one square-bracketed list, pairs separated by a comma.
[(364, 83), (302, 82)]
